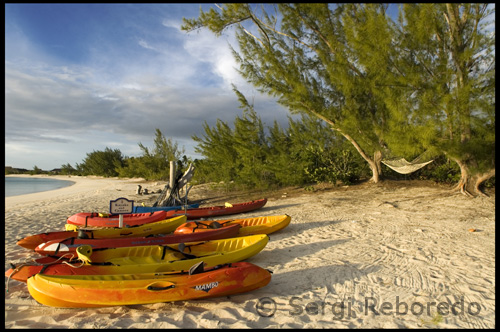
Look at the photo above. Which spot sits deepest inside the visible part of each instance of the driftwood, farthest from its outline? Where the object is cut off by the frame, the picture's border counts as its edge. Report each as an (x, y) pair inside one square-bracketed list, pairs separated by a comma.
[(170, 194)]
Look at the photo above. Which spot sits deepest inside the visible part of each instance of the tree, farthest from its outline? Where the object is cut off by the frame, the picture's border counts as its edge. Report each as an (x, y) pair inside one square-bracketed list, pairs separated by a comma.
[(221, 158), (386, 86), (303, 57), (67, 169), (158, 160), (251, 146), (154, 164), (36, 170), (448, 53), (285, 154), (102, 163)]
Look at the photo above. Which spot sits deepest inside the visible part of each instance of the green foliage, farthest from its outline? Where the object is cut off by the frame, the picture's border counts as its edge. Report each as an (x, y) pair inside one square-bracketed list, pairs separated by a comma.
[(154, 164), (251, 146), (422, 82), (445, 173), (67, 169), (102, 163), (307, 152), (36, 170), (284, 158), (221, 158), (449, 52), (332, 166), (11, 170)]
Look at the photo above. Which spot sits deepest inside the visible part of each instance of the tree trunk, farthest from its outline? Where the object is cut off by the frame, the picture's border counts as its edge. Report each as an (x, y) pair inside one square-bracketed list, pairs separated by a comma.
[(470, 183), (480, 179), (373, 163)]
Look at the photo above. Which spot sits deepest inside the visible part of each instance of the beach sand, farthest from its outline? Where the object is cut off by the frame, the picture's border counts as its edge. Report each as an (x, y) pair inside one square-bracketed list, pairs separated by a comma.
[(383, 255)]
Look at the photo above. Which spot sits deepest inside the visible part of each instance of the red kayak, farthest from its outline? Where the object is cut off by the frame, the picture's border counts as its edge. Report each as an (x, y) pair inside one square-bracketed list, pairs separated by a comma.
[(68, 246), (95, 219), (214, 211)]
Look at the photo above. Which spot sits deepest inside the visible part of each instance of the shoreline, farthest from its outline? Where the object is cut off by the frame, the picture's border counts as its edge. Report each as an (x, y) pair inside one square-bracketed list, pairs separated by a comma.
[(39, 177), (80, 184), (349, 259)]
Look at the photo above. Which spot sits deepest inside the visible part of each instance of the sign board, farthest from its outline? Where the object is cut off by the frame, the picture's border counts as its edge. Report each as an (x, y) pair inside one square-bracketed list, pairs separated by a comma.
[(120, 206)]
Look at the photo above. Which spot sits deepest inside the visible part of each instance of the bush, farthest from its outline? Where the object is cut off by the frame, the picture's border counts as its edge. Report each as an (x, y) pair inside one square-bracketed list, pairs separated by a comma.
[(102, 163)]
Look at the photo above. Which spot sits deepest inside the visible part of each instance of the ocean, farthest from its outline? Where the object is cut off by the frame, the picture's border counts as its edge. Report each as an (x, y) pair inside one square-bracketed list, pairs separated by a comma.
[(22, 185)]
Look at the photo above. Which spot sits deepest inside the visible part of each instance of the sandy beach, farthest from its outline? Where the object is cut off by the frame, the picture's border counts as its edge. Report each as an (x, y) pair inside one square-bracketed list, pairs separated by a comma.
[(398, 254)]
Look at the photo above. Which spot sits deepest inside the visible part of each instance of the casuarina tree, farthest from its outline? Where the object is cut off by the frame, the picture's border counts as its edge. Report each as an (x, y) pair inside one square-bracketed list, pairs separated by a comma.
[(375, 79)]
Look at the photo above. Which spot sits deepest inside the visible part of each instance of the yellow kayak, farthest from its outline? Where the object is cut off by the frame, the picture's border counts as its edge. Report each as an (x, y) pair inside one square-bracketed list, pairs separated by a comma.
[(146, 259), (73, 231), (158, 227), (249, 226)]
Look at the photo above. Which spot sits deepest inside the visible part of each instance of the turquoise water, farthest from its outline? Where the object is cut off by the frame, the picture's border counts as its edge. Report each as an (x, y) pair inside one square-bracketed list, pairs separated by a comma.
[(20, 186)]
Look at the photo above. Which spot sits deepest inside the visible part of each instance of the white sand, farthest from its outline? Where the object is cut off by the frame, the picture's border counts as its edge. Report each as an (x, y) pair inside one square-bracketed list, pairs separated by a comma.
[(403, 250)]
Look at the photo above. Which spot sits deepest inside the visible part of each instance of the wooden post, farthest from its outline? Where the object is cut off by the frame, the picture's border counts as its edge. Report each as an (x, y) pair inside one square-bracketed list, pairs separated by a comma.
[(172, 174)]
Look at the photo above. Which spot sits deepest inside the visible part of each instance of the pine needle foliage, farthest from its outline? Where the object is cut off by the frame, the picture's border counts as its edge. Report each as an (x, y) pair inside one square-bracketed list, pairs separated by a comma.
[(391, 86)]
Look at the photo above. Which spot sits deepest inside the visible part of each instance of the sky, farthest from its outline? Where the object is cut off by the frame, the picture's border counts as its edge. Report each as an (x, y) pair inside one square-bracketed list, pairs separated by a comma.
[(85, 77)]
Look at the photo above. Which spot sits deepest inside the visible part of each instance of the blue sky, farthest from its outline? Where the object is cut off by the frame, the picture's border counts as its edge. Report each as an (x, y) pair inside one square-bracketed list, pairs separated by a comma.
[(83, 77)]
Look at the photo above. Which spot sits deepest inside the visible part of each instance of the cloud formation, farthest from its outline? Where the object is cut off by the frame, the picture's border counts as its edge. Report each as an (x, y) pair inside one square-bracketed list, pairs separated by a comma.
[(138, 73)]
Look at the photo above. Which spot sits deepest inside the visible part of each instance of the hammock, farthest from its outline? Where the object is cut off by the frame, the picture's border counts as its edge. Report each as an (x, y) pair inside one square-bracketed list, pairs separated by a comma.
[(403, 166)]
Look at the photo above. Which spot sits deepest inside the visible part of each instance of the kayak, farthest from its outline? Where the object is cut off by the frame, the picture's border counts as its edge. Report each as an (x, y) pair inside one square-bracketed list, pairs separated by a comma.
[(78, 291), (73, 231), (144, 209), (145, 259), (249, 226), (61, 247), (213, 211), (95, 219), (158, 227)]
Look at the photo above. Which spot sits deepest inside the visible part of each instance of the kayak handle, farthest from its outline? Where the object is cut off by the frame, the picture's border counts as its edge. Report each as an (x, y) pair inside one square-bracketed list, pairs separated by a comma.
[(155, 288)]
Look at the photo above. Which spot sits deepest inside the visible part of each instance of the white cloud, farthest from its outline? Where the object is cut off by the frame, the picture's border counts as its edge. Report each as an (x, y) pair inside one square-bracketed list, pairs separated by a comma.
[(203, 46), (144, 44), (172, 23)]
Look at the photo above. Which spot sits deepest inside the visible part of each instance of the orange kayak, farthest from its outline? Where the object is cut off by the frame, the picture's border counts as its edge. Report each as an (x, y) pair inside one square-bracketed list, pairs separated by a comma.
[(129, 289), (249, 226), (112, 220), (222, 210), (61, 247)]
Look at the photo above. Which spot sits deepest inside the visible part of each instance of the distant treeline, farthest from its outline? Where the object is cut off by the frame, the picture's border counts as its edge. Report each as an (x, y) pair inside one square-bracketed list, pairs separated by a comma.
[(35, 170)]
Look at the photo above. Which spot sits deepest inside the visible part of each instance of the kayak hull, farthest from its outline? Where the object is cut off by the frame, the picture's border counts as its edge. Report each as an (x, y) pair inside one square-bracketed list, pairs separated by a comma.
[(145, 209), (110, 290), (113, 220), (213, 211)]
